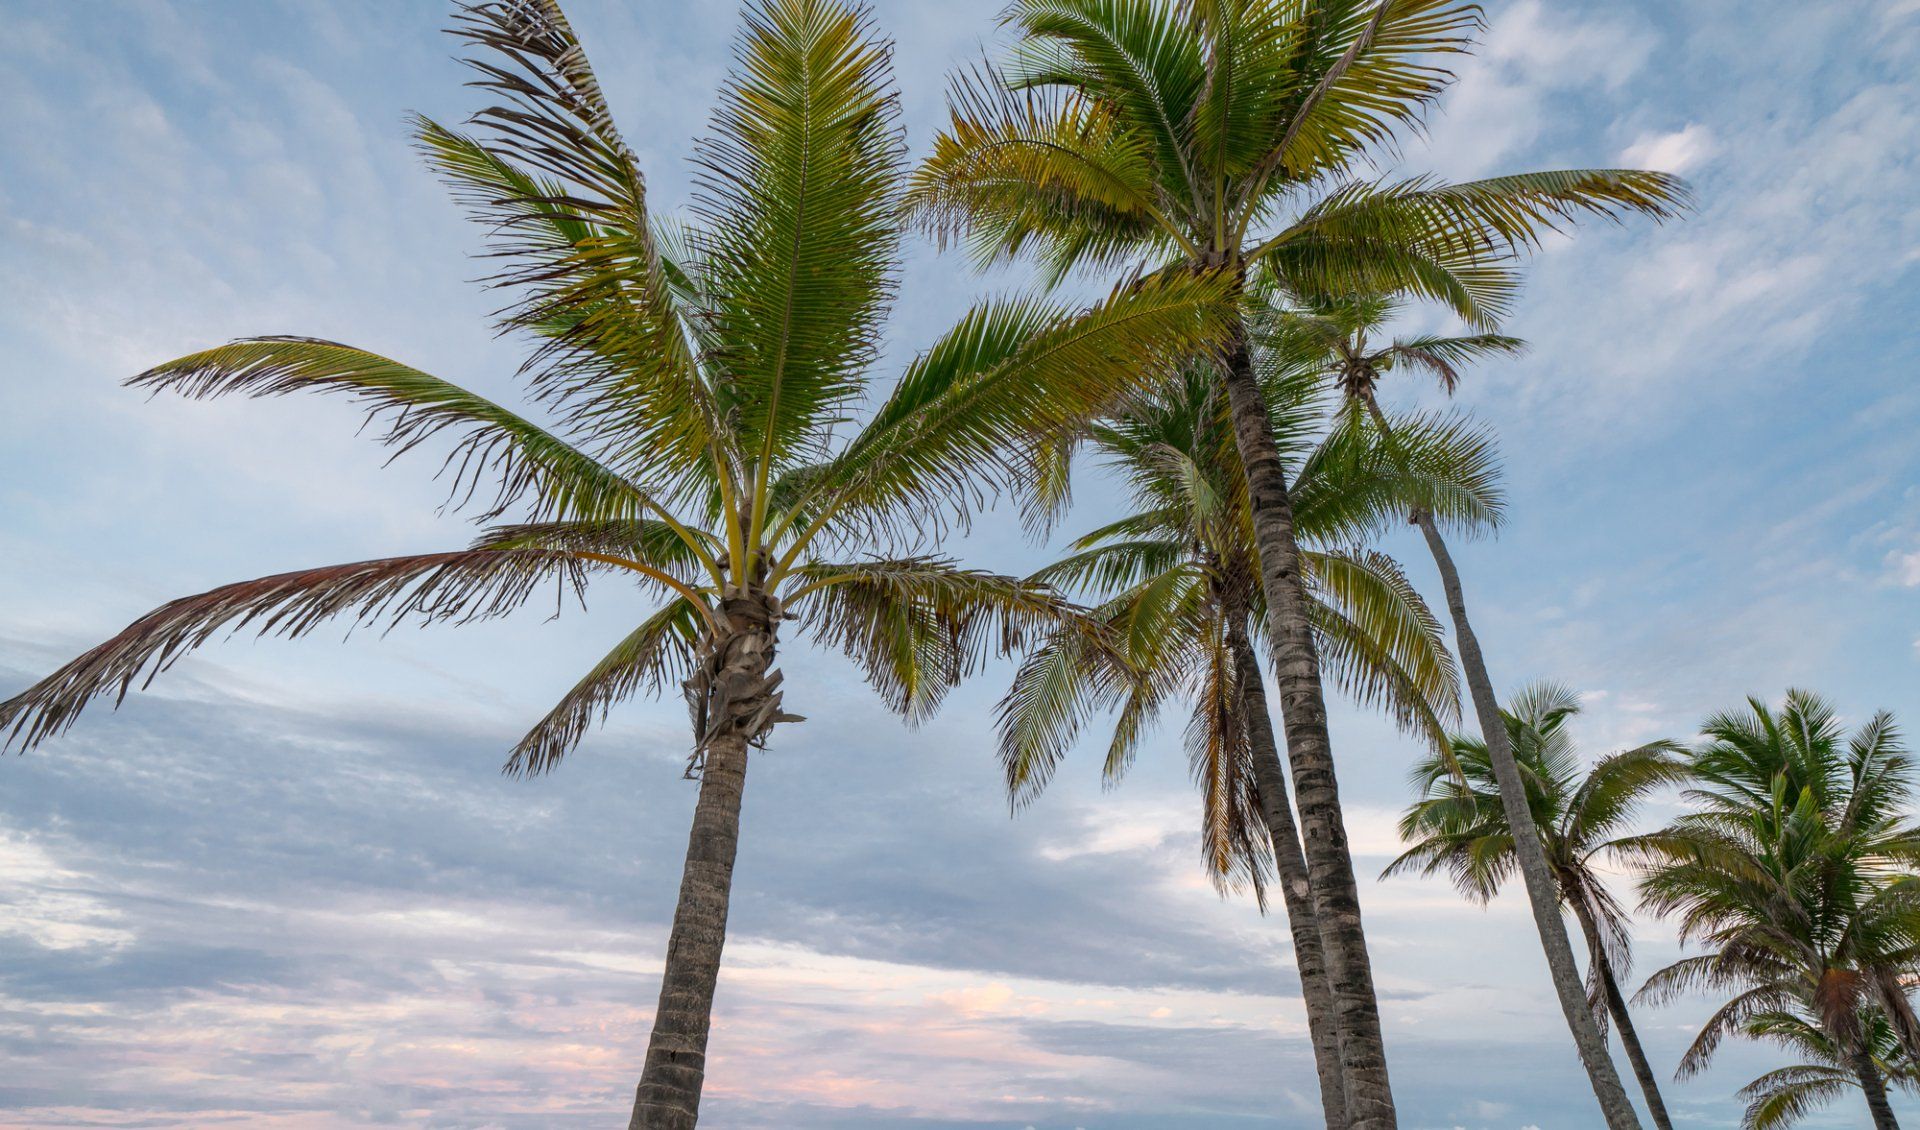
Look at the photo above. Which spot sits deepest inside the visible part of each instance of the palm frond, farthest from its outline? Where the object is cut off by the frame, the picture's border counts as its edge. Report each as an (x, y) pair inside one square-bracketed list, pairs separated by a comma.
[(455, 587), (532, 465), (659, 651), (564, 202), (918, 625), (796, 188)]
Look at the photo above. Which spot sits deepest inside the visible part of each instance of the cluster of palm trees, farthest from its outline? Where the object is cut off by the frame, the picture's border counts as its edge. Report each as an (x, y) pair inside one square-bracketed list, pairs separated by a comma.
[(1792, 868), (705, 422)]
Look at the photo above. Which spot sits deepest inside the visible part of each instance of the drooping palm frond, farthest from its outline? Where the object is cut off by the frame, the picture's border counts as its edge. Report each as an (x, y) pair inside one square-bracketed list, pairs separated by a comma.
[(531, 465), (918, 625), (1234, 842), (1381, 643), (455, 587), (659, 651)]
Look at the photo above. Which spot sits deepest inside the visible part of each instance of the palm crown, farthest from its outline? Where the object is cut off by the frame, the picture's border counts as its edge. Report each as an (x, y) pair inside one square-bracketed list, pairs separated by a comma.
[(1174, 584), (1234, 132), (1584, 813), (1794, 870), (1786, 1095), (702, 380)]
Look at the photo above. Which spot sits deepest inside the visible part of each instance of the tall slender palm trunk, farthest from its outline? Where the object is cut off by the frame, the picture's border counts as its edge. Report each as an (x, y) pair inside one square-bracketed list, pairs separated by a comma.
[(1543, 891), (1616, 1003), (1303, 711), (1296, 889), (733, 700), (1874, 1086)]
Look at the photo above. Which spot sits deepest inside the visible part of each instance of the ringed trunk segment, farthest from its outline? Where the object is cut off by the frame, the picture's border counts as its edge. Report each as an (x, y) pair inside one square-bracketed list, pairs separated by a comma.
[(734, 701), (1309, 953), (1296, 669)]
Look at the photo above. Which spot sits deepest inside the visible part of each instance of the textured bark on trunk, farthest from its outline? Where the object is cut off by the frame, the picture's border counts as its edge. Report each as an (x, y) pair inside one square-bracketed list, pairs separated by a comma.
[(1875, 1087), (1296, 889), (734, 703), (1543, 891), (1616, 1003), (1303, 708)]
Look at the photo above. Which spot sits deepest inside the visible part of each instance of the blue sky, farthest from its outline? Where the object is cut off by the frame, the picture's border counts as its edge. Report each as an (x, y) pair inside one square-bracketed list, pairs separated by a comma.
[(288, 888)]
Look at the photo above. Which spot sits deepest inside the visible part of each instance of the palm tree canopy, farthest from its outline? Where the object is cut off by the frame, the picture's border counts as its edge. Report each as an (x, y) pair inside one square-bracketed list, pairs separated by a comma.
[(712, 427), (1173, 580), (1242, 132), (1795, 870), (1458, 826)]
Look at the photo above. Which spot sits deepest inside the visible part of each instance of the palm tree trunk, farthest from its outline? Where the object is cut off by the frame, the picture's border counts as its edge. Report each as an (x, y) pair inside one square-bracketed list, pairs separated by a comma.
[(1543, 892), (1874, 1086), (1303, 711), (1616, 1003), (734, 703), (1296, 889)]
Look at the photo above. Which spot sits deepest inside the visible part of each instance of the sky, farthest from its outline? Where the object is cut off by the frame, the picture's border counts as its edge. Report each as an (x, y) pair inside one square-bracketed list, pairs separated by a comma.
[(289, 889)]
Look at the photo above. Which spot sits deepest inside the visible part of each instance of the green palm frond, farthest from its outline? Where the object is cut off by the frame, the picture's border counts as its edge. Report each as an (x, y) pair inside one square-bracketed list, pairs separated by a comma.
[(1235, 848), (797, 191), (564, 203), (1804, 902), (972, 408), (531, 465), (919, 625), (1057, 688), (1383, 646), (1037, 169), (1143, 59), (1372, 72)]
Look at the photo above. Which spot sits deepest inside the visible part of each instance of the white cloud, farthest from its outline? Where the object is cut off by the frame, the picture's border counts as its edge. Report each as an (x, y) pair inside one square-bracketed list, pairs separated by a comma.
[(1675, 152), (1905, 568)]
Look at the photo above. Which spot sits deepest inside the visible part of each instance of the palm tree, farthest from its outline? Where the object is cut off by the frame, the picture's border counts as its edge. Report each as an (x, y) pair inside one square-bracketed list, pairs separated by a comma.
[(1459, 826), (1795, 872), (1786, 1095), (1173, 585), (697, 377), (1343, 331), (1234, 135)]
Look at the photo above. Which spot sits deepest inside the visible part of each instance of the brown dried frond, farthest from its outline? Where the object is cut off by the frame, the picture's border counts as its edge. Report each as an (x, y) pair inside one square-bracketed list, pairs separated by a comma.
[(459, 587)]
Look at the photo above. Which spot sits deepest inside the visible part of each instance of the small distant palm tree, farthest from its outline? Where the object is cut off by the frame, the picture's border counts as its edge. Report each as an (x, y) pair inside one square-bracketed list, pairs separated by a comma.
[(1786, 1095), (1240, 135), (1459, 826), (1795, 870), (1174, 586), (701, 378)]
